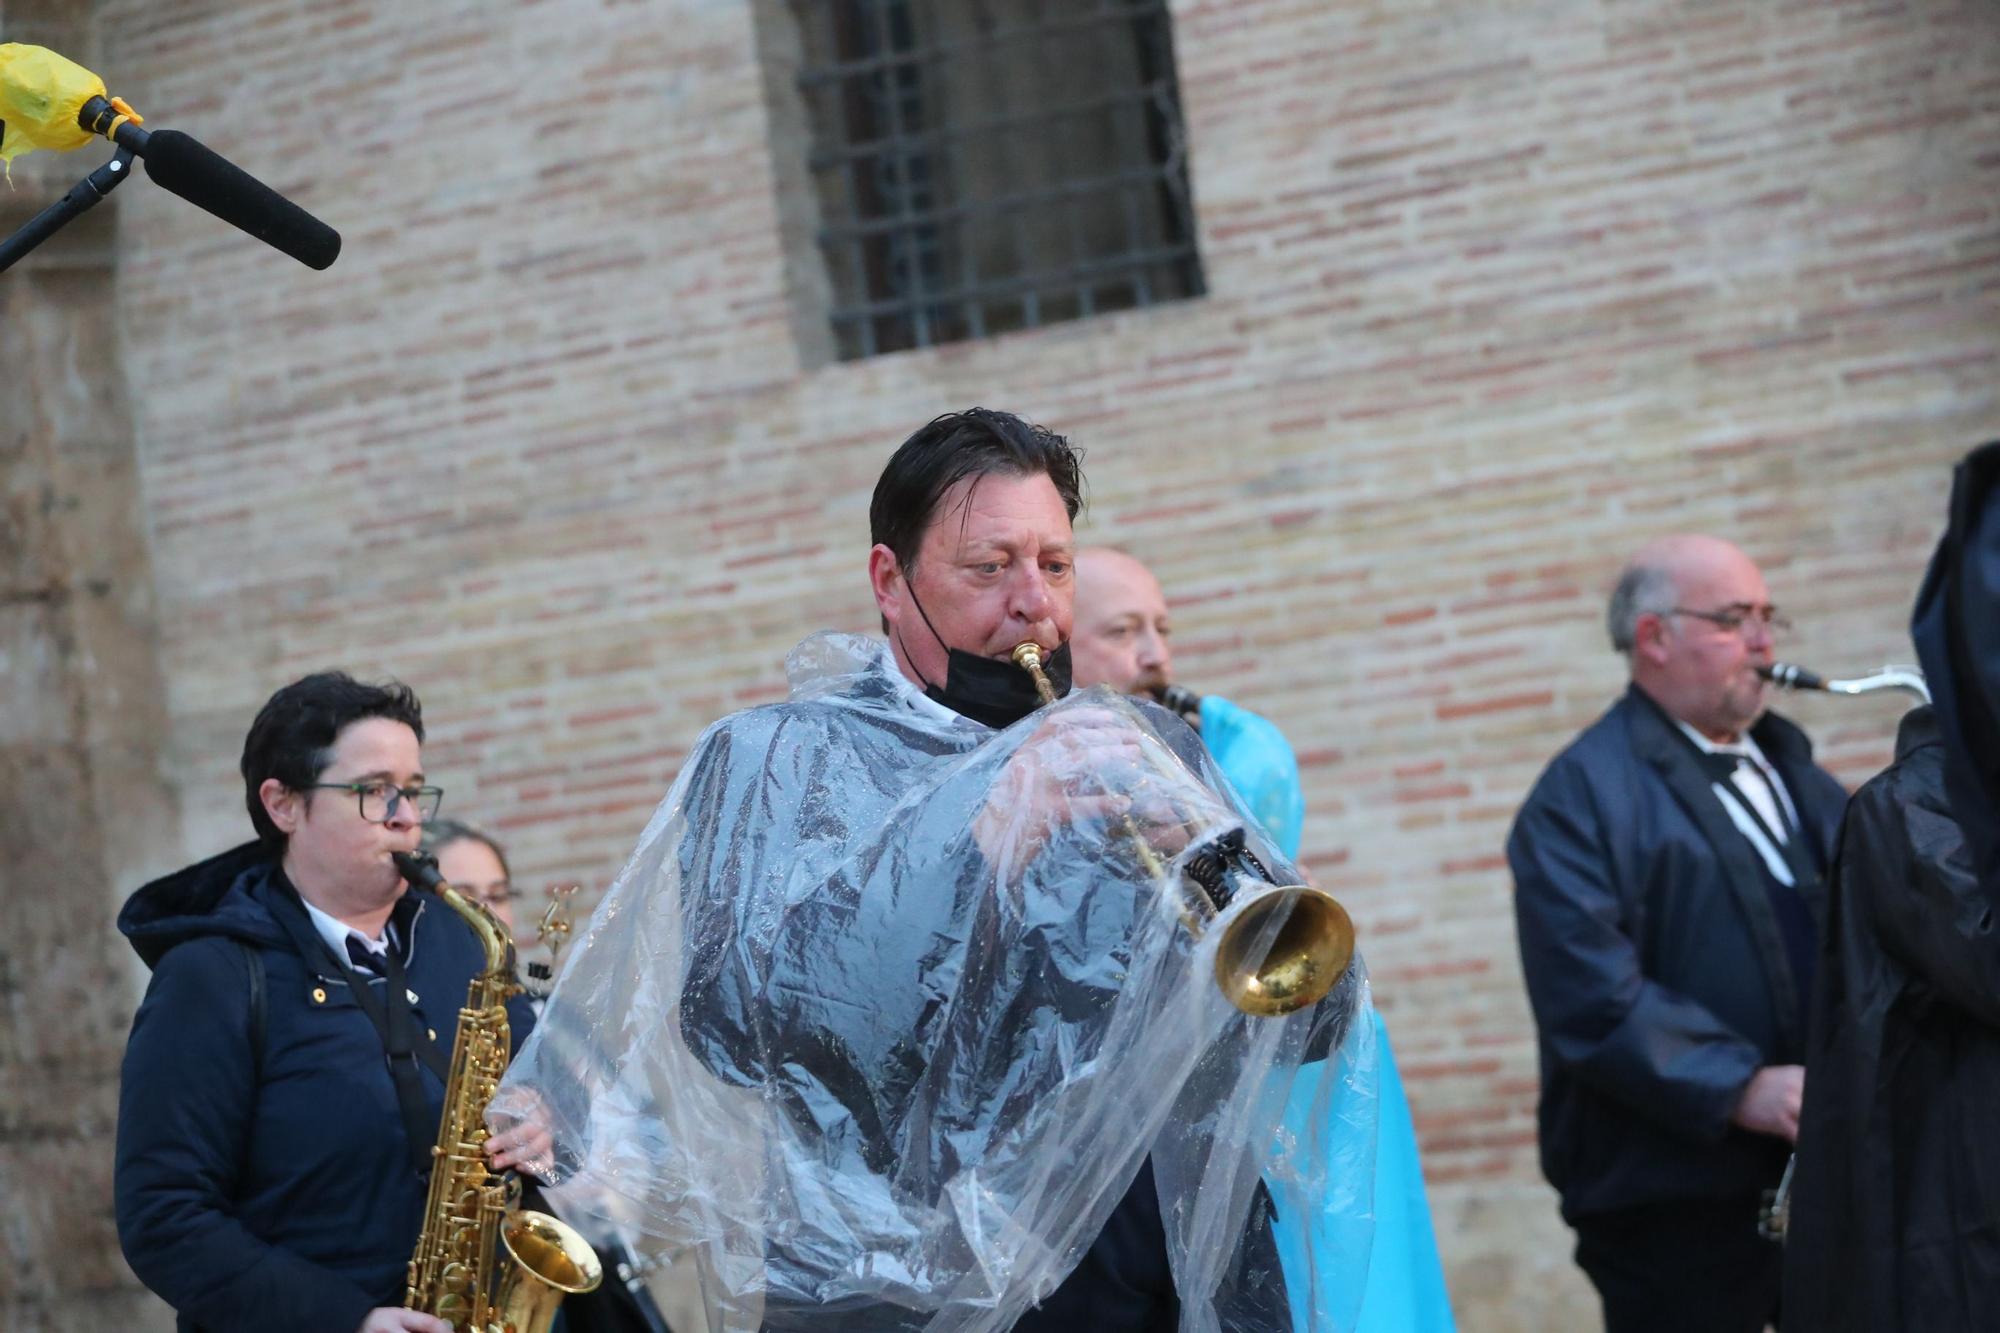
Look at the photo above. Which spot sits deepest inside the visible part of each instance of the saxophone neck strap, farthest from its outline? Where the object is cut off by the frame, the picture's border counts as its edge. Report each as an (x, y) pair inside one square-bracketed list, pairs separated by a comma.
[(405, 1042)]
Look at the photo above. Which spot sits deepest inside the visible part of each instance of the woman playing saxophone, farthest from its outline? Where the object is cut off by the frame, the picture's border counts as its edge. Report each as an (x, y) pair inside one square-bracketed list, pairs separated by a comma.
[(284, 1080)]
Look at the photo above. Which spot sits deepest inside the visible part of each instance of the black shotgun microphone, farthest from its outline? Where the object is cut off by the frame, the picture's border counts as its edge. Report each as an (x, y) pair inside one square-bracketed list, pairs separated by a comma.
[(208, 180), (187, 167)]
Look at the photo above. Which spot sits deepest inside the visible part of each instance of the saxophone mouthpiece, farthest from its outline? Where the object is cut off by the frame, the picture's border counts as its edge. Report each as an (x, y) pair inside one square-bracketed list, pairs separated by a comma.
[(1790, 677), (419, 868)]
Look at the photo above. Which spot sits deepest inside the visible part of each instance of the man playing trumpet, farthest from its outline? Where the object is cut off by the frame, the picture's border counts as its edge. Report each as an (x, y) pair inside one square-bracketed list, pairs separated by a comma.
[(907, 1012)]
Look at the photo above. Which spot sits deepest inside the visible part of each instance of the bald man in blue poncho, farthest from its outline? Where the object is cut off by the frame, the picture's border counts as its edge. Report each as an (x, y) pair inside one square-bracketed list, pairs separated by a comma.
[(1122, 639)]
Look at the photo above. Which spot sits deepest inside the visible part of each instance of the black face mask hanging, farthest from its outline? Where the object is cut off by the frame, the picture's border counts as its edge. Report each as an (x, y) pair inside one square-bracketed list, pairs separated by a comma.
[(995, 693)]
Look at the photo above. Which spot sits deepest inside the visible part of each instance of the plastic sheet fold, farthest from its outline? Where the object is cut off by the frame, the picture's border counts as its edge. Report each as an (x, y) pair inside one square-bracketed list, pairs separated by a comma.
[(887, 1009)]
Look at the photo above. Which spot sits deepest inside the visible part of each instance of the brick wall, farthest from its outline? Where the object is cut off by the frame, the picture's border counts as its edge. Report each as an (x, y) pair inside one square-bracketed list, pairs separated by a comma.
[(1497, 290)]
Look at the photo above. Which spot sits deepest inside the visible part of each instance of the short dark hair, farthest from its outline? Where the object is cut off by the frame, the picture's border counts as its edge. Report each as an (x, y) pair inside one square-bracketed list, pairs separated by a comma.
[(292, 739), (953, 447), (442, 833)]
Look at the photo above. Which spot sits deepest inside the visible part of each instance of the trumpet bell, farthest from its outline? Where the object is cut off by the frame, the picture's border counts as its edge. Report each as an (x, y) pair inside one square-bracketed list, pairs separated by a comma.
[(1282, 949)]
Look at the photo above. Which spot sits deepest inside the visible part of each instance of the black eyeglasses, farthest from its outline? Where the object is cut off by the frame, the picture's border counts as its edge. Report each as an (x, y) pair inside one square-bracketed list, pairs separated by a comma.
[(1734, 618), (379, 801)]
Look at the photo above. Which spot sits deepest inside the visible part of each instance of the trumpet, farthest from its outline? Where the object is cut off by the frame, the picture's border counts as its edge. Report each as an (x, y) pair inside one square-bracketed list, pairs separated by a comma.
[(1263, 970), (1908, 679)]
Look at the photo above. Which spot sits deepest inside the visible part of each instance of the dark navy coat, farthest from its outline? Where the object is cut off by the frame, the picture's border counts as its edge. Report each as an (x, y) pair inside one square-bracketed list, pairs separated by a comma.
[(1655, 964), (265, 1186)]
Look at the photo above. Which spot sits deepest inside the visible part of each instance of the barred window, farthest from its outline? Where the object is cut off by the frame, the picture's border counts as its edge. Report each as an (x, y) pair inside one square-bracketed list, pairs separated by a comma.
[(988, 165)]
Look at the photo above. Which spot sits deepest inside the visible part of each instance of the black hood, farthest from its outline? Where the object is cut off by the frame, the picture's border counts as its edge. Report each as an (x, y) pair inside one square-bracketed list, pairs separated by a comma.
[(212, 897), (1956, 627)]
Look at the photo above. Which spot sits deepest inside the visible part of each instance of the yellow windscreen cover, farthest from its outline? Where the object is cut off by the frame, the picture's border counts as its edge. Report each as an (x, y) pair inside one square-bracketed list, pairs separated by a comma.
[(40, 96)]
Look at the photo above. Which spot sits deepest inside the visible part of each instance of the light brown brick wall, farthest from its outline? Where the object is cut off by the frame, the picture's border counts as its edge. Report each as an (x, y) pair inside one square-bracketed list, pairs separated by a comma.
[(1497, 290)]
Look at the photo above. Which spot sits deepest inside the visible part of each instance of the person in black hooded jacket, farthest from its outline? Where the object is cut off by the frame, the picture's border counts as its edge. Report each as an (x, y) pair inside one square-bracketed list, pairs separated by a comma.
[(1895, 1216), (271, 1155)]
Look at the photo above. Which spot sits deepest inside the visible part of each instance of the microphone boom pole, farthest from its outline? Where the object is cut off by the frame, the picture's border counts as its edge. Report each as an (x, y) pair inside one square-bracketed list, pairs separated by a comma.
[(186, 167), (83, 196)]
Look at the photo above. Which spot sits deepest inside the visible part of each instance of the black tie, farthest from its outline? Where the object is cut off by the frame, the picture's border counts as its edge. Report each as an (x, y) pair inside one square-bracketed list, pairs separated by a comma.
[(1720, 766), (366, 959), (1790, 906)]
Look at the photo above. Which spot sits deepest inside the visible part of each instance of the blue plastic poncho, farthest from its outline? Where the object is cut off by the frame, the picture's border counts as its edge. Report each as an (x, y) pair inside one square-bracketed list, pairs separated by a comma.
[(1405, 1289)]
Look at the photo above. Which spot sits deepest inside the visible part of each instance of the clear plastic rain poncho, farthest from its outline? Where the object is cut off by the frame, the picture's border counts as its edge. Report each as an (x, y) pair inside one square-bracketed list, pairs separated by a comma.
[(887, 1010)]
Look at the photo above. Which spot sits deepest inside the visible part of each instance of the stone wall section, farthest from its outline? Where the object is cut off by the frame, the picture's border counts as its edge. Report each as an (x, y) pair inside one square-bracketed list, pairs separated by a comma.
[(86, 807)]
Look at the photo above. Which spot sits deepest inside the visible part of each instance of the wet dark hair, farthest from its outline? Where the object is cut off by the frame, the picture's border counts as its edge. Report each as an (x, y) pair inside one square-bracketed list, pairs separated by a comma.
[(955, 446), (441, 833), (293, 737)]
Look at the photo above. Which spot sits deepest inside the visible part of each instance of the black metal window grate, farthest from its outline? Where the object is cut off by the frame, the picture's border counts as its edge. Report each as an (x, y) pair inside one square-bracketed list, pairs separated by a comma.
[(989, 165)]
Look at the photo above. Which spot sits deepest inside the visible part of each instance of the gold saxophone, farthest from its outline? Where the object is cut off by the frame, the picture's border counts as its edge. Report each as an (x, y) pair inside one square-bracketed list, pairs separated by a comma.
[(458, 1272)]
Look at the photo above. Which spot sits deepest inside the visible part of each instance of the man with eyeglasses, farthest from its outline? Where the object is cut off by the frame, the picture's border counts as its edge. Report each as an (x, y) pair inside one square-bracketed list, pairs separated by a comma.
[(1667, 869), (285, 1075)]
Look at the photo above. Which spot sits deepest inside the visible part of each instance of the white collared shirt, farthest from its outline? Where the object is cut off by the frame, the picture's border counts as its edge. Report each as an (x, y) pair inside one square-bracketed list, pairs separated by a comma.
[(1757, 783), (336, 933)]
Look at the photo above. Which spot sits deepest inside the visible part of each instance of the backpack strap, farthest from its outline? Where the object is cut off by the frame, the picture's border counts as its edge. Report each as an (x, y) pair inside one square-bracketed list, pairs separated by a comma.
[(253, 964)]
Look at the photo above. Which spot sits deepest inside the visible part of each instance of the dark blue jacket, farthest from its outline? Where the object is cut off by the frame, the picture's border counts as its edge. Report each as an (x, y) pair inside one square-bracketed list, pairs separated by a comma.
[(268, 1185), (1656, 966)]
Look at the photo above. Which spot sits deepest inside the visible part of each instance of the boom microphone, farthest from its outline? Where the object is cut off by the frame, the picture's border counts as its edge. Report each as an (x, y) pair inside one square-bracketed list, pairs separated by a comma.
[(197, 173), (206, 179), (50, 102)]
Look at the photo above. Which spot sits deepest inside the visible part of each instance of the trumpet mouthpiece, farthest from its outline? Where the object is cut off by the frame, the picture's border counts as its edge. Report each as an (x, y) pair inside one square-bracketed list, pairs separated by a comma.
[(1028, 657)]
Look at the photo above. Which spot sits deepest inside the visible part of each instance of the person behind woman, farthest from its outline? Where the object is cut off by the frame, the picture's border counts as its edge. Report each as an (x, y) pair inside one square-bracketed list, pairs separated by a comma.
[(474, 864)]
